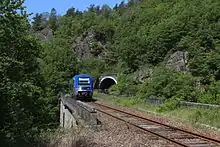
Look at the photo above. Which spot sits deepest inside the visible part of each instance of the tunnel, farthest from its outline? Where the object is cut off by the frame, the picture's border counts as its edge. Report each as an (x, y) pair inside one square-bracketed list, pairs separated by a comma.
[(107, 82)]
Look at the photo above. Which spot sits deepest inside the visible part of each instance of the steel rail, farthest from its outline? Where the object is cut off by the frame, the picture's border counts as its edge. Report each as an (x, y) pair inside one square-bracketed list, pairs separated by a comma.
[(208, 139)]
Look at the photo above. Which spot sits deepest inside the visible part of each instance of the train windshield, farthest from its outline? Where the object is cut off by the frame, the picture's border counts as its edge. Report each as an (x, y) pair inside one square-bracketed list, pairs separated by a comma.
[(84, 81)]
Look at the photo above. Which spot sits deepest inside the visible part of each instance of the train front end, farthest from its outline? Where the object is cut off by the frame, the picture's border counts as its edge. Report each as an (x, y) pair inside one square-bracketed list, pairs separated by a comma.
[(83, 87)]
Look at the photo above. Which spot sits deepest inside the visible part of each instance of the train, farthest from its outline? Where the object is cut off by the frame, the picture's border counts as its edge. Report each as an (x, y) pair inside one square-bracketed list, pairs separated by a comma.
[(82, 87)]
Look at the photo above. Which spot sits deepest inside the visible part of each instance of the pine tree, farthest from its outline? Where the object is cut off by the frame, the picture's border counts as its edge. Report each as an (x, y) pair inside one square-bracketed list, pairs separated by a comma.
[(70, 12), (91, 8), (97, 10), (53, 19), (106, 10), (37, 24)]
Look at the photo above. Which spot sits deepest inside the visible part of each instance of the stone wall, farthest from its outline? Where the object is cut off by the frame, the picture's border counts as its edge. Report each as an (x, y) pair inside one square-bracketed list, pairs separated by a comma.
[(74, 112), (67, 120)]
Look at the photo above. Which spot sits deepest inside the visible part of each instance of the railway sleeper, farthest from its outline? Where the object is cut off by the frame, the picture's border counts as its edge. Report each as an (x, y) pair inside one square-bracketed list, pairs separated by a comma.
[(199, 145), (195, 143), (186, 141), (182, 137)]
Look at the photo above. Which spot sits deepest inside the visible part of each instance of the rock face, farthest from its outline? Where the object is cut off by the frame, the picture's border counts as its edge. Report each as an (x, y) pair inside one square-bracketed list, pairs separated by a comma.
[(45, 34), (90, 45), (178, 61)]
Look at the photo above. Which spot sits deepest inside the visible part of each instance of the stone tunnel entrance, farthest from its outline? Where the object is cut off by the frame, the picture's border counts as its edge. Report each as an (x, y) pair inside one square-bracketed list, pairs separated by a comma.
[(106, 83)]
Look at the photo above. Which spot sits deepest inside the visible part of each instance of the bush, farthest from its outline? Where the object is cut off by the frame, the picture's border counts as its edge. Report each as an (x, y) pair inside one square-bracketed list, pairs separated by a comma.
[(211, 95), (126, 102), (169, 105), (167, 84), (205, 116), (126, 86)]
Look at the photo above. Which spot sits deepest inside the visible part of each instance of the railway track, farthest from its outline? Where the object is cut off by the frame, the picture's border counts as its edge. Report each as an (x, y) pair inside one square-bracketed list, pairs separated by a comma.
[(172, 134)]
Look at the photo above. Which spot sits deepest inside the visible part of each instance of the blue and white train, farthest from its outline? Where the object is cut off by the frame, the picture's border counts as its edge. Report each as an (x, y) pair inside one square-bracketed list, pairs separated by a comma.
[(83, 86)]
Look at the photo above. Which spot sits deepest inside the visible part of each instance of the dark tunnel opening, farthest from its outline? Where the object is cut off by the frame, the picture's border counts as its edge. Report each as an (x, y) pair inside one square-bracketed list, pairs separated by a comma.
[(107, 83)]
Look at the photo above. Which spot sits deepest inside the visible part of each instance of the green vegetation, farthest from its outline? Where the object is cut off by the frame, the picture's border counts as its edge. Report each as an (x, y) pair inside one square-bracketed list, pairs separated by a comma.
[(142, 34), (124, 40), (197, 116), (21, 87)]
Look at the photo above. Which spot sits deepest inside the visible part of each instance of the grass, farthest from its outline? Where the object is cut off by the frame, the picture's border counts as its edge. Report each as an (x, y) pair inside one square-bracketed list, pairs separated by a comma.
[(123, 101), (195, 116)]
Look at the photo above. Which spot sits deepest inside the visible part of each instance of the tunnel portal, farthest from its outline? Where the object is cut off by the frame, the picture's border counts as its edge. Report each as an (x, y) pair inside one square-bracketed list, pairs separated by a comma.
[(107, 82)]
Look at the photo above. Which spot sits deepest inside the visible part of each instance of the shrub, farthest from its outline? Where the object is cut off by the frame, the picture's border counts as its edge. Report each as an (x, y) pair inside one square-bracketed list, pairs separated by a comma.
[(126, 86), (167, 84), (126, 102), (169, 105), (211, 95)]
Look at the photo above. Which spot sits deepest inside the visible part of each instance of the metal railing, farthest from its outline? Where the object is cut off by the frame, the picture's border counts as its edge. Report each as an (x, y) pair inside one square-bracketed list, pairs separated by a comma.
[(155, 101), (158, 101), (198, 105)]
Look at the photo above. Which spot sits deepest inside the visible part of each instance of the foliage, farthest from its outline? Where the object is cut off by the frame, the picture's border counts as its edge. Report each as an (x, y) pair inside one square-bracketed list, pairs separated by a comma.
[(129, 36), (21, 80), (212, 94), (40, 22), (127, 102), (206, 65), (87, 66), (127, 88), (37, 25), (150, 29), (53, 19), (70, 12), (170, 104), (166, 83), (139, 33)]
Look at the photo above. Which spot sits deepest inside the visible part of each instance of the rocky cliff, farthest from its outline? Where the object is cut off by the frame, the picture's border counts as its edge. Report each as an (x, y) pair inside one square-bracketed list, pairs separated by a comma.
[(90, 45)]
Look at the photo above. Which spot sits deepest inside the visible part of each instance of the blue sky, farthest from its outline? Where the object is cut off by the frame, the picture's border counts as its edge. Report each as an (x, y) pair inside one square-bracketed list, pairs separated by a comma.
[(39, 6)]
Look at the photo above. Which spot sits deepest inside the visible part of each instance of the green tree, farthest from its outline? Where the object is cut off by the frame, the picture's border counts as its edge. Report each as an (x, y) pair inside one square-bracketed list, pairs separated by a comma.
[(21, 81), (105, 10), (37, 23), (70, 12), (53, 19)]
